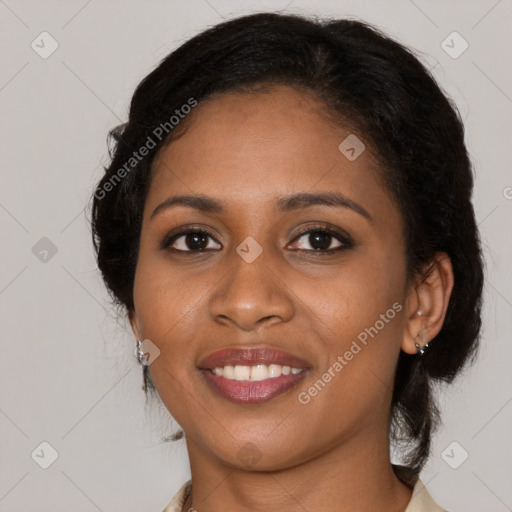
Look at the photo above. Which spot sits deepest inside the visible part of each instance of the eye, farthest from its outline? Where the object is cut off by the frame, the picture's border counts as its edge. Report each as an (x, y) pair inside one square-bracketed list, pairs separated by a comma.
[(321, 240), (190, 240)]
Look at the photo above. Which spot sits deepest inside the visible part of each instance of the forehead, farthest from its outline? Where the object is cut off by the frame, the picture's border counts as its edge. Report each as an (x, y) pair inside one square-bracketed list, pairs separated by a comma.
[(252, 147)]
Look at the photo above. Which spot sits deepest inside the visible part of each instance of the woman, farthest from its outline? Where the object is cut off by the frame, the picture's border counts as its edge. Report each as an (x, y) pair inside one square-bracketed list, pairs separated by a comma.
[(287, 221)]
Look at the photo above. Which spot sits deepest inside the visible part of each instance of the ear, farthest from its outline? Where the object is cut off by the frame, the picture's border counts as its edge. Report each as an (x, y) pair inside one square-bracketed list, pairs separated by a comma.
[(136, 324), (427, 302)]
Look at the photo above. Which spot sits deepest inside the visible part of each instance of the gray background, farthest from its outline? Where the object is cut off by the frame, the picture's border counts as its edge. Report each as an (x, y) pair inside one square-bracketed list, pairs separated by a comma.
[(68, 376)]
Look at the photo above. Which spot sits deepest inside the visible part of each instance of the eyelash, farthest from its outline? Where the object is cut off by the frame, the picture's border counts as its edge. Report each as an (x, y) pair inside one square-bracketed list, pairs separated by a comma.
[(343, 238)]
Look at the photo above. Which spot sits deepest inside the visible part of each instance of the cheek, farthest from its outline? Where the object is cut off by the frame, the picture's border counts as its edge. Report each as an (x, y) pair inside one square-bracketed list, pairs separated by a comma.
[(166, 298), (351, 297), (167, 305), (357, 316)]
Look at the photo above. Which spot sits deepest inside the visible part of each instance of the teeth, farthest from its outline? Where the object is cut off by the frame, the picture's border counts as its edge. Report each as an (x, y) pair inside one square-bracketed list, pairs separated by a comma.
[(242, 373), (228, 372), (274, 370), (259, 372), (255, 373)]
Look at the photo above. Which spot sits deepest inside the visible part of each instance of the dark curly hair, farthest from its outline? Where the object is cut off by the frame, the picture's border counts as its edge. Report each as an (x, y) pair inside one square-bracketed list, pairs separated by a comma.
[(370, 83)]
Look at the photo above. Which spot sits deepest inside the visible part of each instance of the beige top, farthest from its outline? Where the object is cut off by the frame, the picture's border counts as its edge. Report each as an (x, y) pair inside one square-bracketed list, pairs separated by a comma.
[(421, 501)]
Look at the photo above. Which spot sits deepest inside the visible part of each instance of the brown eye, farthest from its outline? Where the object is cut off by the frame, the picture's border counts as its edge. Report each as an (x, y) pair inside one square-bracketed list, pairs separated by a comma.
[(321, 240), (191, 240)]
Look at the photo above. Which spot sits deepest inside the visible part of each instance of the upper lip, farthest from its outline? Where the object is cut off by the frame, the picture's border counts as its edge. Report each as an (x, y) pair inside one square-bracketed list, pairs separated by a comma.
[(250, 356)]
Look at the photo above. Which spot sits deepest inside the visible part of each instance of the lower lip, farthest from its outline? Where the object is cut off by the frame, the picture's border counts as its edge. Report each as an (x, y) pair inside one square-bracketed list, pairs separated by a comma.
[(252, 392)]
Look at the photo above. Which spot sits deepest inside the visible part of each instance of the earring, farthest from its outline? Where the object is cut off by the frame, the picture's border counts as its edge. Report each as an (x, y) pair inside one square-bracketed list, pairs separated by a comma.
[(419, 313), (421, 350), (140, 355)]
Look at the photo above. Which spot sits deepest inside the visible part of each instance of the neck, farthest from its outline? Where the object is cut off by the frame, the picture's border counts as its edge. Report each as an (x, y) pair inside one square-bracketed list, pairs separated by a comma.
[(355, 476)]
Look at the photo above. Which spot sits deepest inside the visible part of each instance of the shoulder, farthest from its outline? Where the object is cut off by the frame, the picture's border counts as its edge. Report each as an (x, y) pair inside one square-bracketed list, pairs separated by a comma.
[(176, 504), (421, 501)]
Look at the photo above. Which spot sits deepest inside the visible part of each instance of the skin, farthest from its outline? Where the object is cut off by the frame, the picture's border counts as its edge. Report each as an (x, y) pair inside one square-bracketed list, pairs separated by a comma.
[(247, 150)]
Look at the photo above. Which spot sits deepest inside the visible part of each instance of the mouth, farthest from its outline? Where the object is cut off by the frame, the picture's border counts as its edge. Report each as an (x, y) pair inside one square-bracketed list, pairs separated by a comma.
[(252, 375)]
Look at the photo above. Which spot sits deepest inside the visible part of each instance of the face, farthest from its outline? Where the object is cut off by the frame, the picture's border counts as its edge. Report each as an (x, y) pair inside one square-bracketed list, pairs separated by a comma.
[(316, 282)]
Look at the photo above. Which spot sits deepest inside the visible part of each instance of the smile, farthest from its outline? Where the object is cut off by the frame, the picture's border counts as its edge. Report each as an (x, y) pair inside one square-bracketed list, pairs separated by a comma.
[(252, 391), (252, 375), (255, 373)]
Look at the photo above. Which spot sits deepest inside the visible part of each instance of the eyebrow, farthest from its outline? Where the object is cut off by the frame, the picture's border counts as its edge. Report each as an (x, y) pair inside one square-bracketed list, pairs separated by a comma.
[(284, 204)]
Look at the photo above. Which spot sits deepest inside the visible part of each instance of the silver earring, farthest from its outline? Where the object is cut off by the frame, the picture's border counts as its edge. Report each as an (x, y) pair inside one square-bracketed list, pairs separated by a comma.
[(421, 350), (140, 355)]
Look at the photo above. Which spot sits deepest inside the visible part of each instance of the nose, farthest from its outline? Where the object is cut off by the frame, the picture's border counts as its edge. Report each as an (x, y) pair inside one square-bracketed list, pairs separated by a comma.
[(251, 295)]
